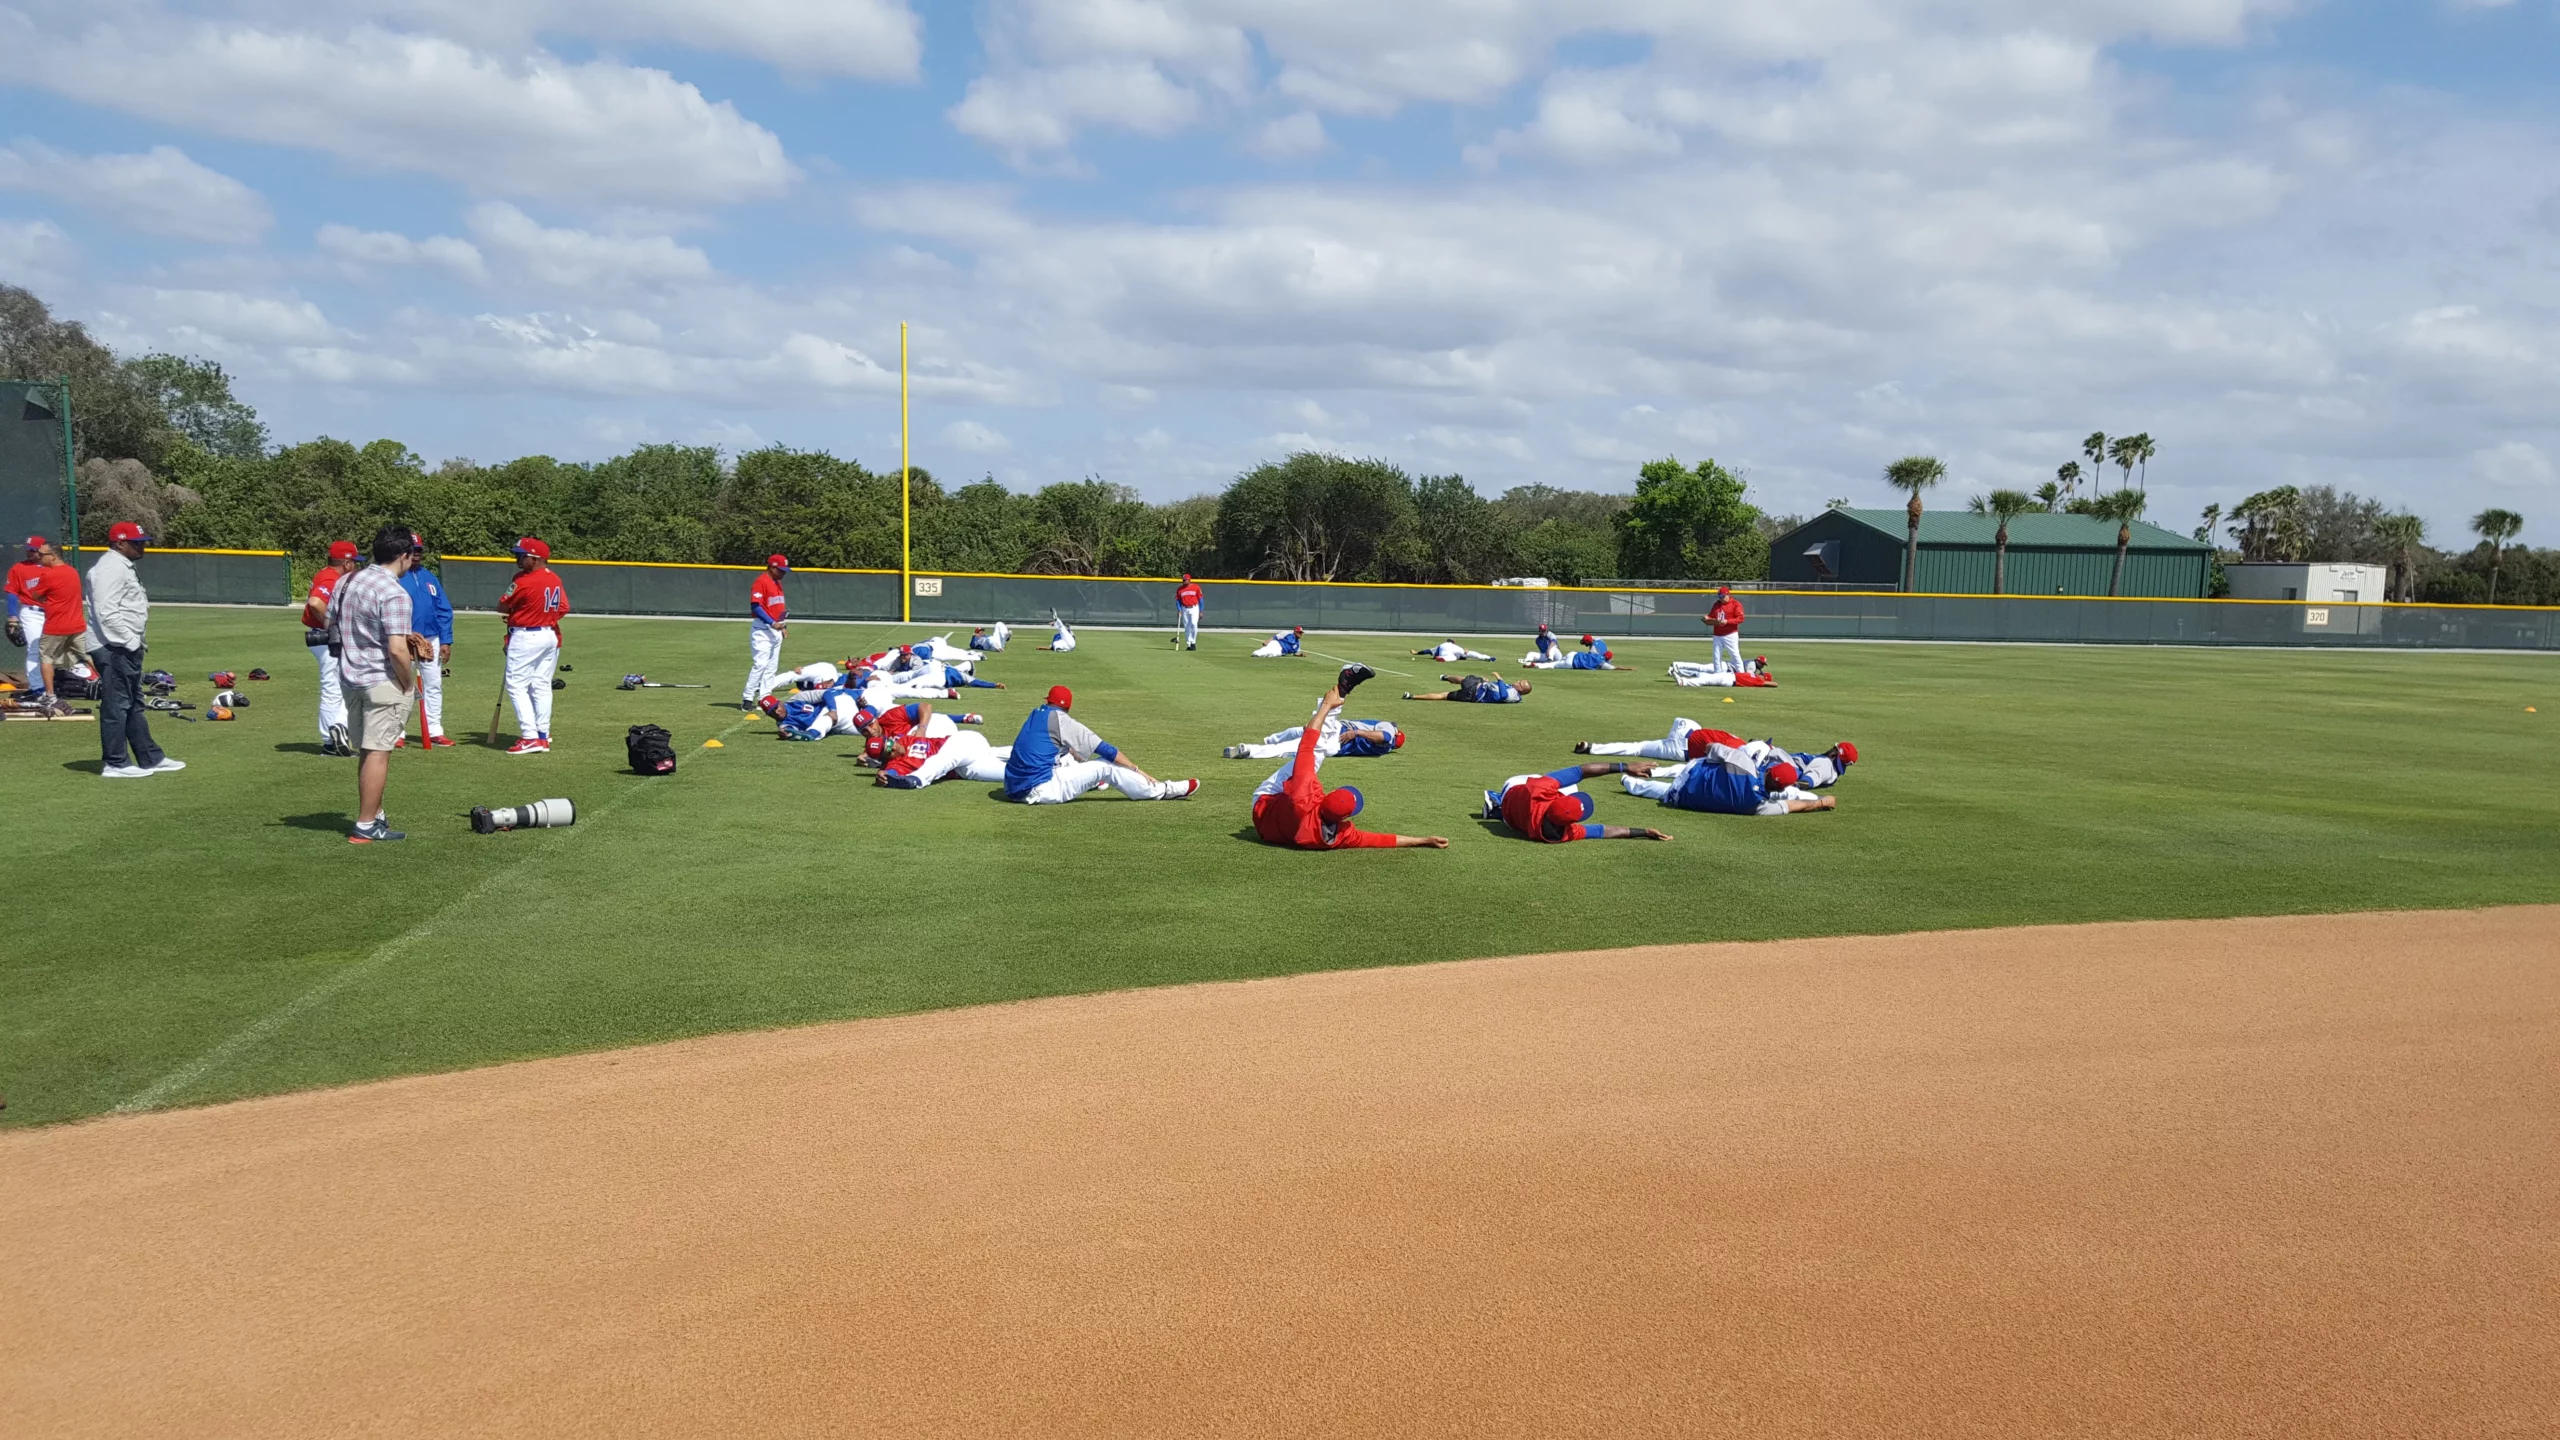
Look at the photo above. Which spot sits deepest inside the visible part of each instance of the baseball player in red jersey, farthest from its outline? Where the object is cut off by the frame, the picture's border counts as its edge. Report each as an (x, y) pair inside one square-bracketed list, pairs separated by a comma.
[(24, 611), (1187, 597), (766, 617), (534, 604), (1552, 809), (1293, 809), (917, 760), (315, 638), (1724, 619)]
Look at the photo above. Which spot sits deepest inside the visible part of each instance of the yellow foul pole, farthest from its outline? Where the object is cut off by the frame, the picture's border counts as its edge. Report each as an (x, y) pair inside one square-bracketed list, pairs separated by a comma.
[(906, 533)]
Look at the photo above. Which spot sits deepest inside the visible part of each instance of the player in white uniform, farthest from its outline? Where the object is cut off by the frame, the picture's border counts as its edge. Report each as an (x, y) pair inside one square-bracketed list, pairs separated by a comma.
[(1695, 673), (988, 640), (916, 761), (1449, 652), (816, 675), (1356, 737), (768, 620), (1281, 643), (1061, 638)]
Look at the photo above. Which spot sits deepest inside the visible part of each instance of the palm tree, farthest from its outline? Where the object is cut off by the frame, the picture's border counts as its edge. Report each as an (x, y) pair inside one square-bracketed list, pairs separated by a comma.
[(2095, 448), (2068, 476), (2049, 498), (2143, 450), (2404, 534), (1913, 473), (2125, 450), (2007, 504), (2212, 517), (2123, 507), (2495, 526)]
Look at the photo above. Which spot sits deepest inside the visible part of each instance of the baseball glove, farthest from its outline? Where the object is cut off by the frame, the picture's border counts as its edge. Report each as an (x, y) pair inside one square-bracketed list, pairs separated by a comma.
[(17, 633)]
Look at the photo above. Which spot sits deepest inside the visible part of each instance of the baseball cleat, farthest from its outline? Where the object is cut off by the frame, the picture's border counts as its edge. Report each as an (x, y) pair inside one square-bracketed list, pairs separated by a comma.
[(400, 744), (1492, 804), (1351, 676), (444, 742), (1233, 752), (1189, 789), (972, 718), (1581, 747), (1408, 694), (528, 747)]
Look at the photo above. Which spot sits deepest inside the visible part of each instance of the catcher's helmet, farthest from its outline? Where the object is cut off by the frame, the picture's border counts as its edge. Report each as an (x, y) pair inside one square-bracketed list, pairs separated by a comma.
[(260, 675)]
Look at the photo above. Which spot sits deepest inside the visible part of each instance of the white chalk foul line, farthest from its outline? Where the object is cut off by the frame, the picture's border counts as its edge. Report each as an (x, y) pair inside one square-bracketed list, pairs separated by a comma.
[(178, 1081), (1372, 664)]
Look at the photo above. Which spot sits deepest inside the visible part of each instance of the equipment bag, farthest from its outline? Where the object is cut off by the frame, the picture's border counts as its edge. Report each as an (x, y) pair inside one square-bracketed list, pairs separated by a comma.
[(652, 749)]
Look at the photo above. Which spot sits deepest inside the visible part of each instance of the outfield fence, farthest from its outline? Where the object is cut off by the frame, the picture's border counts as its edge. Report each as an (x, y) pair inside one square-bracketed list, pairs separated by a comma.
[(948, 600), (210, 577)]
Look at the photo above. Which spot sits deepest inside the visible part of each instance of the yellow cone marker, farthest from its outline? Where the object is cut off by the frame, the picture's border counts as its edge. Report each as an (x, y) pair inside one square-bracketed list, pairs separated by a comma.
[(713, 745), (1728, 699), (2529, 710)]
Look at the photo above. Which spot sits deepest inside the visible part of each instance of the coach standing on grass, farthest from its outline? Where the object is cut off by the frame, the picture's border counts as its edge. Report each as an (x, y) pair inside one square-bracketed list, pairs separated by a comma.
[(119, 610), (1724, 620), (375, 671), (1186, 599), (768, 621)]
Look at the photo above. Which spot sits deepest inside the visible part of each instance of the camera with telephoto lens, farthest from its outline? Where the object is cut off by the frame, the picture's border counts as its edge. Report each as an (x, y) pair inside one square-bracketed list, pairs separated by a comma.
[(535, 815)]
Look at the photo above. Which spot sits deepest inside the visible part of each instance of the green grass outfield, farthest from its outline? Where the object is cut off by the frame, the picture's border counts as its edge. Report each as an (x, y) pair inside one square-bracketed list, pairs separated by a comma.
[(210, 934)]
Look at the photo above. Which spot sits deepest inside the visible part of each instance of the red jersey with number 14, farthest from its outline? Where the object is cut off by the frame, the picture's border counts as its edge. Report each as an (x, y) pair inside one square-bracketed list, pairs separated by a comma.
[(535, 600)]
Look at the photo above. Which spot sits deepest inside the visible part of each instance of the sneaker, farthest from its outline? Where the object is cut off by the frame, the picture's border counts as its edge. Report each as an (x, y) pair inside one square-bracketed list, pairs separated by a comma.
[(336, 743), (380, 829), (1581, 747), (972, 718), (166, 765), (1493, 805), (122, 772), (529, 747), (441, 742), (1408, 694), (1189, 789), (1233, 752)]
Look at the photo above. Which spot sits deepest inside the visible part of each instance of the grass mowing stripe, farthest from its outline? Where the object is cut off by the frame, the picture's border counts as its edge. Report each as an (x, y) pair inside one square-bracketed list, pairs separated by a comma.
[(160, 1091), (1347, 660)]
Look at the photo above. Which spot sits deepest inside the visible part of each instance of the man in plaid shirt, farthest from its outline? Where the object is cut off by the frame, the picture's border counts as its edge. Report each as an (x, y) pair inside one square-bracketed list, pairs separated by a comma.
[(376, 670)]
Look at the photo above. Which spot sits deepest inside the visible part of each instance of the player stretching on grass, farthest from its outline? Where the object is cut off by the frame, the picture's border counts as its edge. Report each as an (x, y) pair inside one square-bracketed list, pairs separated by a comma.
[(1724, 781), (1694, 673), (919, 760), (1595, 654), (1450, 652), (1282, 643), (1359, 739), (1552, 809), (1477, 690), (1688, 740), (1293, 808), (1043, 769)]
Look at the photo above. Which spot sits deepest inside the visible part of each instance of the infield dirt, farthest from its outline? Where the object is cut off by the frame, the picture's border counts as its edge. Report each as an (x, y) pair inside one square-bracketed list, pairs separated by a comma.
[(2286, 1177)]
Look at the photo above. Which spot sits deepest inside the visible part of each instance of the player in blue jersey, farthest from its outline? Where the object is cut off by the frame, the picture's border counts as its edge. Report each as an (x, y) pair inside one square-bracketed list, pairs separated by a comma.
[(1724, 781), (1055, 759), (1281, 643), (1477, 690), (1359, 739)]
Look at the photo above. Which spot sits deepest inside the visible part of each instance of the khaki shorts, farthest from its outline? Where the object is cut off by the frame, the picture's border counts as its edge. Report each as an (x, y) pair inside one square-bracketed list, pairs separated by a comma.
[(376, 714), (60, 649)]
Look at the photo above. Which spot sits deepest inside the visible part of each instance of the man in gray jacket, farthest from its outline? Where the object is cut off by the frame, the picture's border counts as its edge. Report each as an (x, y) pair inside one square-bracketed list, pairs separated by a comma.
[(119, 609)]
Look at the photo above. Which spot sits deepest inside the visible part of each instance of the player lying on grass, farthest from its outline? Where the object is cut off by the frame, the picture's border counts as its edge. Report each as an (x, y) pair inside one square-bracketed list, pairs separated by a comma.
[(918, 760), (897, 722), (1061, 638), (1476, 690), (991, 641), (1282, 642), (939, 647), (1044, 768), (1688, 740), (1580, 660), (1543, 646), (1359, 739), (912, 669), (1450, 652), (1293, 808), (1552, 809), (1724, 781), (1694, 673), (816, 675)]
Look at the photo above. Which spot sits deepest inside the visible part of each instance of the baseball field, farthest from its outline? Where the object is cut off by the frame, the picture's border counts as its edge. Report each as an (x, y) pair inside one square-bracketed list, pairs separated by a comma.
[(2151, 1043), (209, 934)]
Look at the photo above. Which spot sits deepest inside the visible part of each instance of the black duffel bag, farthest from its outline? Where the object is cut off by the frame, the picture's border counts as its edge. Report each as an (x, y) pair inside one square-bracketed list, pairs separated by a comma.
[(652, 750)]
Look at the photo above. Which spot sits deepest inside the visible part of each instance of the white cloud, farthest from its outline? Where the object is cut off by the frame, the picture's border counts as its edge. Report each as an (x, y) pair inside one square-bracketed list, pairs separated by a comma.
[(1039, 111), (383, 247), (535, 124), (865, 39), (159, 191), (34, 252), (222, 322), (579, 260), (1290, 137), (2516, 465), (974, 438)]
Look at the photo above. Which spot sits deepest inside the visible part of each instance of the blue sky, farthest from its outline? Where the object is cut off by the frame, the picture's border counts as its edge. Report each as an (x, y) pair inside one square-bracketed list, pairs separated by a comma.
[(1158, 241)]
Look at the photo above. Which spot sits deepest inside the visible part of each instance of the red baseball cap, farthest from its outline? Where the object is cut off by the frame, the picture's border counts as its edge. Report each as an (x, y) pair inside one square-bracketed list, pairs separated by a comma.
[(535, 548), (1062, 697), (1782, 775), (342, 549), (1398, 742), (778, 562), (1586, 639), (125, 530), (1341, 804), (1848, 753), (37, 542)]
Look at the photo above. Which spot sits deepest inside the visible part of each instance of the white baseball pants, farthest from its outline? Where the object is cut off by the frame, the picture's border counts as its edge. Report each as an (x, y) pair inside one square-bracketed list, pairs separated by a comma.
[(969, 756), (333, 701), (1674, 746), (531, 657), (764, 654), (1190, 624), (31, 620), (1659, 786), (1074, 777), (431, 689), (1729, 651), (1281, 744), (1693, 674), (1267, 650)]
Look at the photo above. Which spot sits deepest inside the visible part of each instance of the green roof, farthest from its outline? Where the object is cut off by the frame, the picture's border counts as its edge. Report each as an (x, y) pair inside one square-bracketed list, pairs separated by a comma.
[(1963, 527)]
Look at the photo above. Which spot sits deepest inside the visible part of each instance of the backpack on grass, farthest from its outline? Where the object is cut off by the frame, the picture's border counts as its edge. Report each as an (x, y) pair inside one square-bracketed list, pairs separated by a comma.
[(652, 750)]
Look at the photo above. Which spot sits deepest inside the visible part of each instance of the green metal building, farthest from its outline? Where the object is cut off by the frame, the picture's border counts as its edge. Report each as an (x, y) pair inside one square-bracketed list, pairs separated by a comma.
[(2048, 554)]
